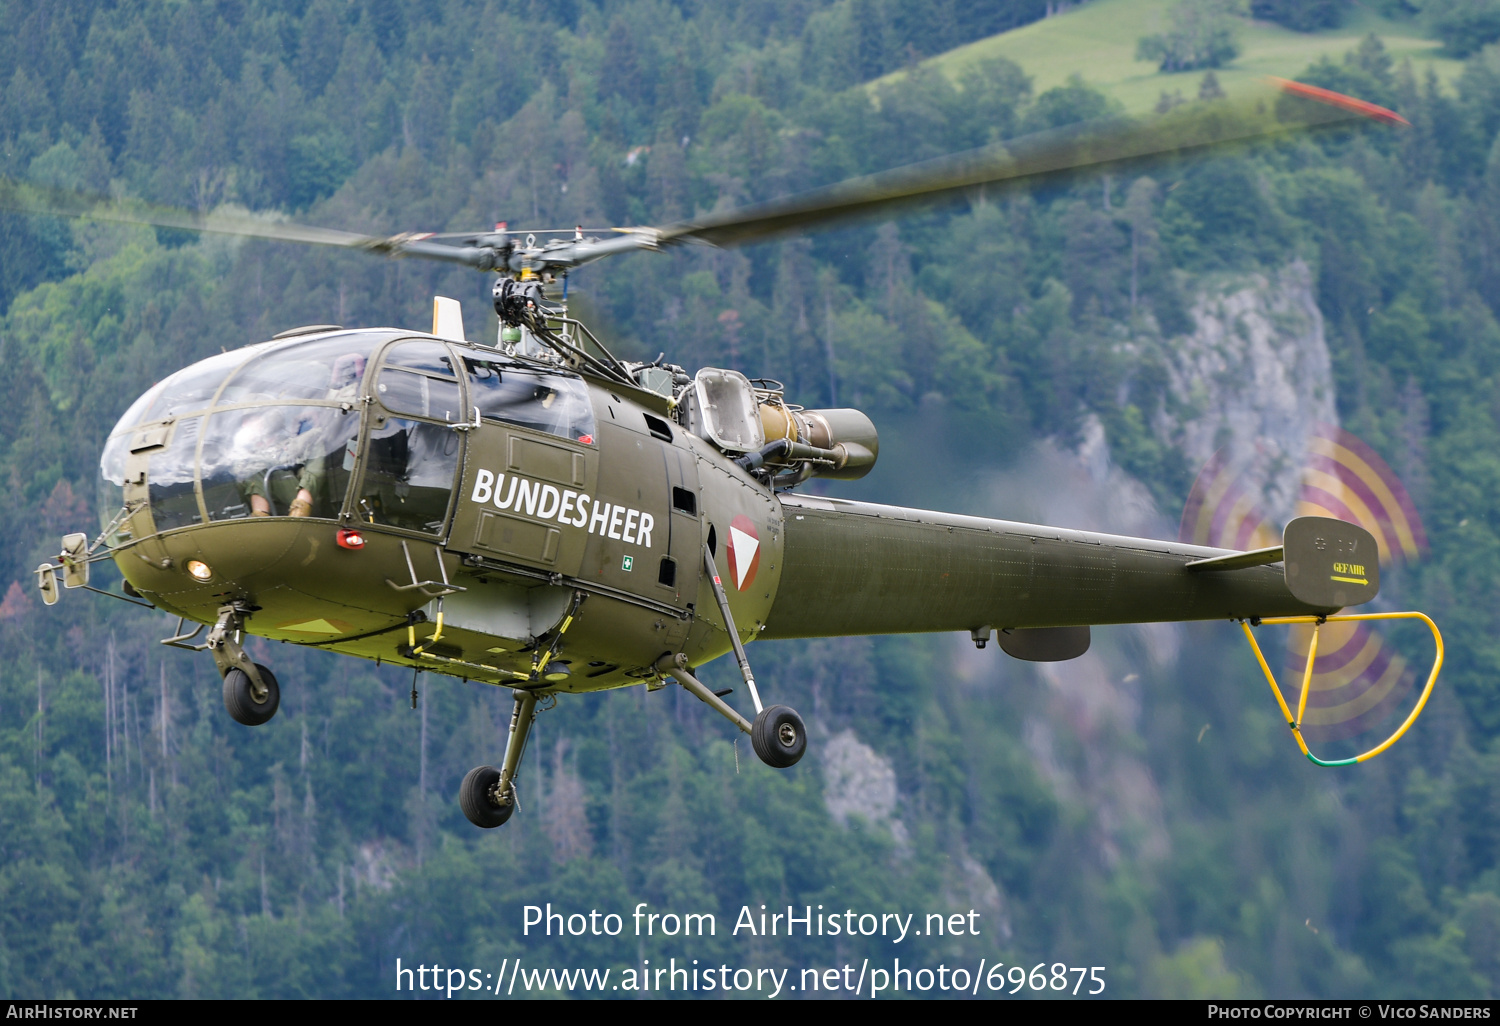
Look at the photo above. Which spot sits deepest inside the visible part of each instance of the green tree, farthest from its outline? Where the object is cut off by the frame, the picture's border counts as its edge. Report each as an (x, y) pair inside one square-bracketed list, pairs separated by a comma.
[(1200, 34), (1302, 15), (1464, 26)]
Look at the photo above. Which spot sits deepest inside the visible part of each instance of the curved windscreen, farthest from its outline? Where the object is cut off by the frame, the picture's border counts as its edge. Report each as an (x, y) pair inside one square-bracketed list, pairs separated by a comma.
[(111, 491), (553, 403), (169, 458), (274, 430), (277, 461), (191, 388), (137, 412), (328, 369), (169, 477), (288, 454)]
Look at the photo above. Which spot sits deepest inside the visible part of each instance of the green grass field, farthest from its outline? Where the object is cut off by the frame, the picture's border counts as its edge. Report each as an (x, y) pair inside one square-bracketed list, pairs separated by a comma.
[(1098, 40)]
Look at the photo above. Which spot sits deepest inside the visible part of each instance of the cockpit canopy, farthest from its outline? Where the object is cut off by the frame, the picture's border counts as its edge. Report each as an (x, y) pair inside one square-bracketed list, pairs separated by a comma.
[(279, 429)]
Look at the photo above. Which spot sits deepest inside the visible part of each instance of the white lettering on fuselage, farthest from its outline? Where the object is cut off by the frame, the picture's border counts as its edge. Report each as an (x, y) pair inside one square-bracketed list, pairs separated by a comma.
[(578, 509)]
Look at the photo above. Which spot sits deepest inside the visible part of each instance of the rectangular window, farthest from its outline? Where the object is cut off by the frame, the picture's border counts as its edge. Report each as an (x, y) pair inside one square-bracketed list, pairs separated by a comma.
[(554, 403), (409, 472), (419, 395), (265, 457), (174, 499)]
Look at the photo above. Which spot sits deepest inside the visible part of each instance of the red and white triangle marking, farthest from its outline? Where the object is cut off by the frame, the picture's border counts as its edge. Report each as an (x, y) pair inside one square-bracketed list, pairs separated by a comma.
[(744, 551)]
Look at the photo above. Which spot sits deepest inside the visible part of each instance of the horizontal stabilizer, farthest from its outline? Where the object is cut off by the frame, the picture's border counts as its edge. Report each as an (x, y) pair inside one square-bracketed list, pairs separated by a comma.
[(1239, 560), (1329, 562)]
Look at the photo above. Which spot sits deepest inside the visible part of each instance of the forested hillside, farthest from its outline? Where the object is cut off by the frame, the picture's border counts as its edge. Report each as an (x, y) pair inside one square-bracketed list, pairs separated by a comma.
[(1152, 818)]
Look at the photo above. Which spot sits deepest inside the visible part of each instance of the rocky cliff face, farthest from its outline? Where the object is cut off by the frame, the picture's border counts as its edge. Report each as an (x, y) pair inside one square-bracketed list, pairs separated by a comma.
[(1254, 376)]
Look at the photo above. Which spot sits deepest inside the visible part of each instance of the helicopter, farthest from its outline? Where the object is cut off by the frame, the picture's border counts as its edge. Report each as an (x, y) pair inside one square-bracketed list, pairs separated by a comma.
[(534, 513)]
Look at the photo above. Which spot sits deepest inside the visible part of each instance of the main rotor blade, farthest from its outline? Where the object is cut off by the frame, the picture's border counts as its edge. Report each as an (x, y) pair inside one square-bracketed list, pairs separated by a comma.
[(64, 203), (1094, 145)]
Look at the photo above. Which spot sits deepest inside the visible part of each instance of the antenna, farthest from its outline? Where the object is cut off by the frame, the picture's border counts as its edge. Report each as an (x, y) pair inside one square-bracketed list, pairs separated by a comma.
[(448, 318)]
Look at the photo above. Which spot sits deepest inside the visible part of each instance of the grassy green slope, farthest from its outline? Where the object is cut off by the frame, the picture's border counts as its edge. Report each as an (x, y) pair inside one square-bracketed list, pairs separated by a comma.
[(1098, 41)]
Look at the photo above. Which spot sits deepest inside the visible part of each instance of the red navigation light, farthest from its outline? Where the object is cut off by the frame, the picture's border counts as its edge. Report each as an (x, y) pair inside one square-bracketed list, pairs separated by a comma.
[(349, 539)]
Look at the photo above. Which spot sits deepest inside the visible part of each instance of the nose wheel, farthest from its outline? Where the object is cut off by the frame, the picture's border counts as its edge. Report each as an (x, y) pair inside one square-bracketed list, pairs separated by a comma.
[(249, 702), (251, 693)]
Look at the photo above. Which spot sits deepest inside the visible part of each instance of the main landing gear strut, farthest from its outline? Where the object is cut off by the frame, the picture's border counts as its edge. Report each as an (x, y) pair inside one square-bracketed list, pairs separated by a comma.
[(778, 735), (488, 795)]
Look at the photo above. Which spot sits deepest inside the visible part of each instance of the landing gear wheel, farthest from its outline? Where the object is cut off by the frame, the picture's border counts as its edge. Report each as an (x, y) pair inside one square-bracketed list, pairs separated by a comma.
[(240, 698), (475, 798), (778, 736)]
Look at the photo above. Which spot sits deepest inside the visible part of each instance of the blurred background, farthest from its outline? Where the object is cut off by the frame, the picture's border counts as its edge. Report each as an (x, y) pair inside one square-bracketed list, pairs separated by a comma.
[(1238, 337)]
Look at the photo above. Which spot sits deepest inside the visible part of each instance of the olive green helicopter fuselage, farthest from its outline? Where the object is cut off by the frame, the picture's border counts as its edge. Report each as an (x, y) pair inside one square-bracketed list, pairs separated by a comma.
[(495, 513), (501, 524)]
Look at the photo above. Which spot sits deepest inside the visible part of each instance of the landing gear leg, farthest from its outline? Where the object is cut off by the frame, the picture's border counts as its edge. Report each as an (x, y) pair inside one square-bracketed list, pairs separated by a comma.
[(251, 693), (778, 734), (488, 795)]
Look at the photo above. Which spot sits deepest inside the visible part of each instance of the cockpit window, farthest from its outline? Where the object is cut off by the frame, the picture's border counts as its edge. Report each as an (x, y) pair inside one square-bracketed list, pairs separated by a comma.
[(111, 493), (137, 412), (422, 356), (327, 369), (278, 461), (192, 388), (409, 471), (419, 395), (417, 379), (553, 403), (284, 447), (174, 497)]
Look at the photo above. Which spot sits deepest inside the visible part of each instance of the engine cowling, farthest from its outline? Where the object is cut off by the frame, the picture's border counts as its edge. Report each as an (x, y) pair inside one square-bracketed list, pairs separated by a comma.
[(846, 432), (752, 421)]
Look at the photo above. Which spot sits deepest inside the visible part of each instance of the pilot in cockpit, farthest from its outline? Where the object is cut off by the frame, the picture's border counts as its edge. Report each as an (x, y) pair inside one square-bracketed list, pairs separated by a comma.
[(289, 447), (343, 377), (276, 470)]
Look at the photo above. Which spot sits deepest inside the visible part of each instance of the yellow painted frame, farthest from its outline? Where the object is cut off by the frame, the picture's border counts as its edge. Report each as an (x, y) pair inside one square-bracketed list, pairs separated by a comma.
[(1295, 722)]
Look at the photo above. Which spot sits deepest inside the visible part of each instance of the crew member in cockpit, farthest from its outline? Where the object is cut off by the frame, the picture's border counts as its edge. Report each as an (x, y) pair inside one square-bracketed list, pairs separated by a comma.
[(272, 452), (292, 445), (343, 377), (301, 506)]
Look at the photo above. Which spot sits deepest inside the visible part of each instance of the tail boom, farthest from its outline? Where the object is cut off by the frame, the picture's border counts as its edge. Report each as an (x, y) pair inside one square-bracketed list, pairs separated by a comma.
[(861, 568)]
